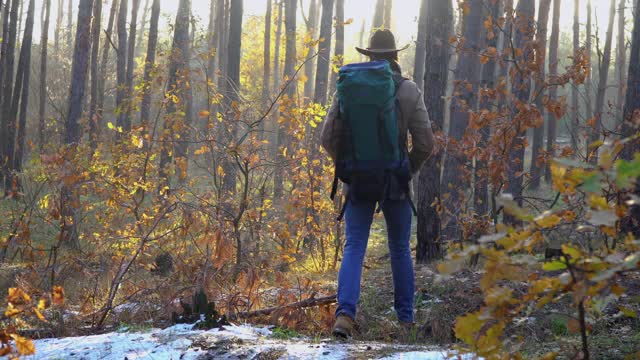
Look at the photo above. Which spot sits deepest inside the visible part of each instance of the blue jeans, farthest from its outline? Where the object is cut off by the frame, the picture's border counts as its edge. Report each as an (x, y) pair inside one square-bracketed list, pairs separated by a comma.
[(359, 216)]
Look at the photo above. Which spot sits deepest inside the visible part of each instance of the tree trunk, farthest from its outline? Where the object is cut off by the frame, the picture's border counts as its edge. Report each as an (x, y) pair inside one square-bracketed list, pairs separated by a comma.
[(152, 44), (289, 68), (552, 121), (487, 80), (621, 62), (223, 29), (276, 58), (175, 87), (438, 29), (388, 5), (121, 64), (588, 84), (8, 125), (378, 16), (541, 53), (467, 77), (58, 30), (6, 10), (324, 52), (125, 114), (602, 82), (266, 76), (521, 89), (212, 57), (95, 53), (143, 26), (338, 52), (42, 107), (79, 68), (575, 106), (103, 66), (361, 40), (311, 34), (233, 90), (25, 52), (70, 24), (421, 43)]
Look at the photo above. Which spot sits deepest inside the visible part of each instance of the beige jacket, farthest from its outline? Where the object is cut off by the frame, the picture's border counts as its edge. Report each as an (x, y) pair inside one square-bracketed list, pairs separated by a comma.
[(413, 118)]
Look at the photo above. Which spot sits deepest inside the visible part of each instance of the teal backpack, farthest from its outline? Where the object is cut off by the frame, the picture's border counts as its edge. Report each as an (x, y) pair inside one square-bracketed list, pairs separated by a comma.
[(372, 156)]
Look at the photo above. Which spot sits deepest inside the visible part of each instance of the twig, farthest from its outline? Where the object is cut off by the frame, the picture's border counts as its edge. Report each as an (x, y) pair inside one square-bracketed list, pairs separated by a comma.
[(296, 305)]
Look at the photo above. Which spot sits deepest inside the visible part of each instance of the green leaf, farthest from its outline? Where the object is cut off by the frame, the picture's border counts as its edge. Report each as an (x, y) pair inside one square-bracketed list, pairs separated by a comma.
[(554, 266)]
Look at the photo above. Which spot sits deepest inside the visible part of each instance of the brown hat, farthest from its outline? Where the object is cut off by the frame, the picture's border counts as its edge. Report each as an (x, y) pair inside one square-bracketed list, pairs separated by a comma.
[(382, 42)]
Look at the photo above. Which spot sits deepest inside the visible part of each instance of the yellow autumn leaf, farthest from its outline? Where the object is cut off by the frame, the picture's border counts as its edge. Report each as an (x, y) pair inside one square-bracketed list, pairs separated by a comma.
[(24, 345), (204, 113), (548, 221)]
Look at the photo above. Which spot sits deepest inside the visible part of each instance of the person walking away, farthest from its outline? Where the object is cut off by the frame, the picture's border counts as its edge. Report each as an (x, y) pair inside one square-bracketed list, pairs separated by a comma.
[(366, 134)]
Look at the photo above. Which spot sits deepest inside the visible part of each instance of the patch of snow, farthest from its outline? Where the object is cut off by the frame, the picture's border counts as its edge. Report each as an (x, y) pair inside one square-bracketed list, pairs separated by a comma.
[(229, 342)]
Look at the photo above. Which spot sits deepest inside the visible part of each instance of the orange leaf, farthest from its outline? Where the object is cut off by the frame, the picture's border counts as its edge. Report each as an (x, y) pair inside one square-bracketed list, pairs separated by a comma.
[(58, 295)]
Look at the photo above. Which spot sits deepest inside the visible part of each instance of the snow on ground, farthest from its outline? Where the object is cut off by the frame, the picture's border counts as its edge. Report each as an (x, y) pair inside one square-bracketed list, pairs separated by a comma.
[(231, 342)]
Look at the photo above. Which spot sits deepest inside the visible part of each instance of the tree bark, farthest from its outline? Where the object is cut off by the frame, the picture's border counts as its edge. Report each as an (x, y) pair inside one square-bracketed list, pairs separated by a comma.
[(276, 58), (81, 56), (467, 77), (421, 43), (438, 28), (233, 90), (44, 48), (103, 66), (552, 121), (311, 33), (521, 89), (7, 123), (95, 52), (324, 53), (541, 53), (338, 52), (488, 81), (602, 82), (25, 52), (588, 84), (70, 24), (575, 106), (58, 30), (266, 75), (388, 5), (125, 113), (176, 86), (121, 64), (143, 26), (289, 68), (378, 16), (621, 62), (152, 44)]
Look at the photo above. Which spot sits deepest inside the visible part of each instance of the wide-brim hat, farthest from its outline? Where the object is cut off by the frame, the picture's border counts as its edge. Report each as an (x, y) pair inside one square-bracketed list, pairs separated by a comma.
[(382, 42)]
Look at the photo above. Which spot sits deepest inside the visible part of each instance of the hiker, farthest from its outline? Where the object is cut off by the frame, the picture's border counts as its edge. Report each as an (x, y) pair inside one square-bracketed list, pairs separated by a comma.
[(365, 133)]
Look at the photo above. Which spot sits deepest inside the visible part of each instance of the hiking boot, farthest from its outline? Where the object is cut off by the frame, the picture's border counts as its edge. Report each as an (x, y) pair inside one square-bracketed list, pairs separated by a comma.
[(343, 327)]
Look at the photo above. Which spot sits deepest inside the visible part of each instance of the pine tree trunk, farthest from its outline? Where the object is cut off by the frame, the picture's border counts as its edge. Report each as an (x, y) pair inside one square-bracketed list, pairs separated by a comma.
[(44, 47), (233, 90), (125, 120), (602, 82), (421, 43), (121, 64), (106, 46), (456, 179), (388, 6), (7, 123), (81, 56), (324, 53), (488, 81), (152, 44), (266, 77), (178, 66), (95, 53), (541, 53), (521, 89), (289, 67), (438, 29), (378, 16), (70, 24), (25, 52), (621, 62), (575, 106), (311, 33), (552, 121), (338, 52)]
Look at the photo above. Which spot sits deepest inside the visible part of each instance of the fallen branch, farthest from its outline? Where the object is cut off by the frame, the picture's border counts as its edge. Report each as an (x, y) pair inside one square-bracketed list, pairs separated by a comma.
[(296, 305)]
